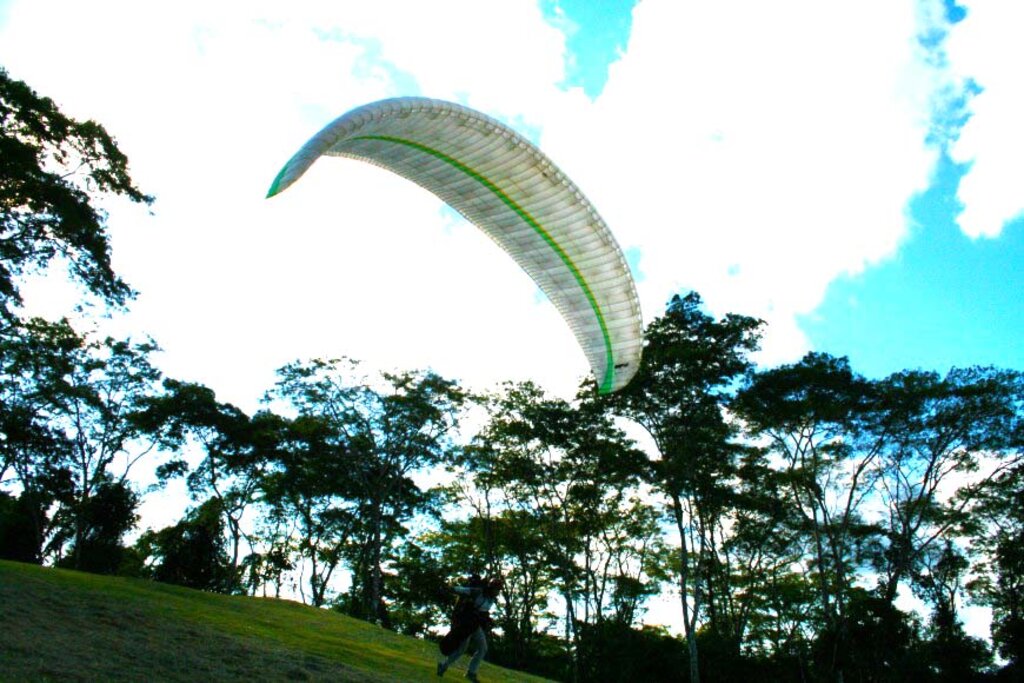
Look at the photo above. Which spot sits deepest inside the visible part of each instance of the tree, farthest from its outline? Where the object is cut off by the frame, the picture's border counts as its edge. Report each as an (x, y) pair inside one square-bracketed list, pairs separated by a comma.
[(235, 447), (934, 432), (755, 599), (97, 408), (781, 623), (52, 170), (496, 540), (813, 415), (553, 488), (997, 530), (955, 655), (308, 490), (79, 400), (34, 362), (192, 552), (271, 560), (691, 362), (614, 651), (417, 588), (879, 643), (100, 522), (18, 541), (383, 431), (56, 386)]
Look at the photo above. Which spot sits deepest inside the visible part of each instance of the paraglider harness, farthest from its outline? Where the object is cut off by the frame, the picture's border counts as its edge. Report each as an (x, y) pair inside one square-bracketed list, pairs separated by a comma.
[(466, 618)]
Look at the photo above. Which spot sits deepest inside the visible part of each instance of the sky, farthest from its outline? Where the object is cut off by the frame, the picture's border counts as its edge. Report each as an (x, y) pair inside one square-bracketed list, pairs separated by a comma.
[(848, 172)]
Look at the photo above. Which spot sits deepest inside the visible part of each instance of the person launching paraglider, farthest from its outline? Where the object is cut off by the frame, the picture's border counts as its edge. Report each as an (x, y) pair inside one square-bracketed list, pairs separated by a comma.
[(470, 620)]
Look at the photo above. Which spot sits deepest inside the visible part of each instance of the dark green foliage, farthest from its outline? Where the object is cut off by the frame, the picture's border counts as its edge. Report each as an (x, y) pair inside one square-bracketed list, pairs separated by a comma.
[(507, 542), (35, 449), (68, 413), (64, 400), (955, 656), (1007, 600), (612, 651), (308, 487), (18, 540), (553, 489), (879, 644), (52, 169), (192, 552), (99, 524), (238, 450), (261, 571), (417, 590), (820, 390), (998, 525), (545, 656)]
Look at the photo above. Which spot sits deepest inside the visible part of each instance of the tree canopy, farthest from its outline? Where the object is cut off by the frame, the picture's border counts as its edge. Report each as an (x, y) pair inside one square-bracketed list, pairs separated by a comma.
[(53, 171)]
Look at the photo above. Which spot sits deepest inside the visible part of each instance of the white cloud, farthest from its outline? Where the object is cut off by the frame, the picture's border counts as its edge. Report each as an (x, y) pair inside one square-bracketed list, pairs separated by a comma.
[(755, 151), (986, 48), (209, 102), (751, 151)]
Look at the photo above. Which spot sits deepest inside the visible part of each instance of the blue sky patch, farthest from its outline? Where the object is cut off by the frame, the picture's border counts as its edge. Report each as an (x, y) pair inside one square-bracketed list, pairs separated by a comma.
[(596, 36), (945, 300)]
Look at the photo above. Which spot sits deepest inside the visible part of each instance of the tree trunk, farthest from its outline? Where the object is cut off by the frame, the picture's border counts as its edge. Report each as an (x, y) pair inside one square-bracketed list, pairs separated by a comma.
[(374, 610), (689, 621), (571, 635)]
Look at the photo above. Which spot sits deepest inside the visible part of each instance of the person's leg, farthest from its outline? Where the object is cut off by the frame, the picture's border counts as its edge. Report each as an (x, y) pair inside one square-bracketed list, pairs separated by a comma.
[(480, 645), (453, 657)]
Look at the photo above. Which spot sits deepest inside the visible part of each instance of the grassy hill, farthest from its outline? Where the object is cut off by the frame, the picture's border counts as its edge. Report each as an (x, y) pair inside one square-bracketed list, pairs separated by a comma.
[(58, 625)]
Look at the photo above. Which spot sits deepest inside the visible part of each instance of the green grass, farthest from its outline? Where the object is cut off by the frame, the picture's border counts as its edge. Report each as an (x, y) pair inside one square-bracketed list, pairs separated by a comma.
[(59, 625)]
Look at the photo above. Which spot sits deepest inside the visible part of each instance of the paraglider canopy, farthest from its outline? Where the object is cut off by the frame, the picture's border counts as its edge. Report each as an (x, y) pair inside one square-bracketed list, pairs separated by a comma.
[(507, 187)]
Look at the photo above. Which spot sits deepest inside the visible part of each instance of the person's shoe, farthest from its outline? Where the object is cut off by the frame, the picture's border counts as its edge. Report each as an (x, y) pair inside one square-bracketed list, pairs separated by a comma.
[(441, 669), (472, 677)]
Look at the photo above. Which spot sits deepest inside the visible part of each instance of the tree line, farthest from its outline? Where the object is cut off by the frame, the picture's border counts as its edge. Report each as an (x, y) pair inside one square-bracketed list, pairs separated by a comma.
[(787, 511)]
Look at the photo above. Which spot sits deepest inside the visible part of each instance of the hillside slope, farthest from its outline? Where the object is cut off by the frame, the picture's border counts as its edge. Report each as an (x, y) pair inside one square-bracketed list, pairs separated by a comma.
[(68, 626)]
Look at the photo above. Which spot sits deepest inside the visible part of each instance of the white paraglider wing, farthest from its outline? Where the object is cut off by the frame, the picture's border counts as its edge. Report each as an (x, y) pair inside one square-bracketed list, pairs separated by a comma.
[(507, 187)]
